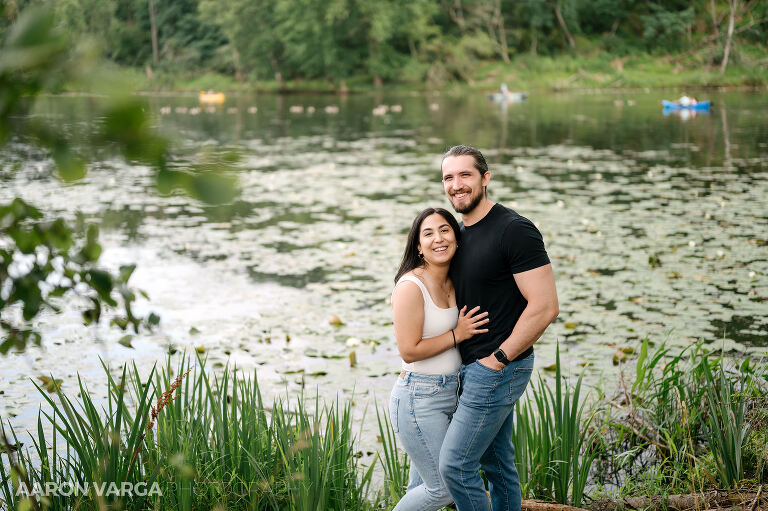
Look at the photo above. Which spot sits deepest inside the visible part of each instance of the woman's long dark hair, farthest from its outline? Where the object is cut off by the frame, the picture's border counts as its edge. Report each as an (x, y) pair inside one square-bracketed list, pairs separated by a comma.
[(411, 257)]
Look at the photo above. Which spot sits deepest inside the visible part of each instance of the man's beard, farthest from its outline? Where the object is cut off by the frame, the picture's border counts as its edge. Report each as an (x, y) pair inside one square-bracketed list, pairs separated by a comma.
[(470, 205)]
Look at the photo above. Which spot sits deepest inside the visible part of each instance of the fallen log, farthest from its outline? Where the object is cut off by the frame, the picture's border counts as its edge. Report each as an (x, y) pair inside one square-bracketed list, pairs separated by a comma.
[(540, 505), (695, 501)]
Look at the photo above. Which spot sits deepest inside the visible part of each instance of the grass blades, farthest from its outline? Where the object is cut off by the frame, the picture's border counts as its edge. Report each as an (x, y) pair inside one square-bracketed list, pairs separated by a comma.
[(206, 441), (396, 466), (686, 423), (553, 442), (727, 426)]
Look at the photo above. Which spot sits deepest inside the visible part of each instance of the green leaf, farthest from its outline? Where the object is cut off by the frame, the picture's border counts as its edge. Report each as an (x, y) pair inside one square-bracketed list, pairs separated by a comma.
[(126, 341), (71, 168), (126, 271), (60, 235), (28, 291), (31, 41), (92, 250), (169, 180), (121, 323), (93, 315), (101, 282), (26, 240), (213, 188)]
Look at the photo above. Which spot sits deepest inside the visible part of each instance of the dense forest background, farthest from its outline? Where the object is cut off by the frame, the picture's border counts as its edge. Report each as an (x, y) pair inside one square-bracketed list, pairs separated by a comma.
[(418, 41)]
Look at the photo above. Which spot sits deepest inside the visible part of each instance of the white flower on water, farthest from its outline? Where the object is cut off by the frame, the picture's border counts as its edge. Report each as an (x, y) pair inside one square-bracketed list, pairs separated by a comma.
[(352, 342)]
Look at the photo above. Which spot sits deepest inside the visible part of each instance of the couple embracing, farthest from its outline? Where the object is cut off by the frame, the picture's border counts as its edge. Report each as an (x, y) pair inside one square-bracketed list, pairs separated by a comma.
[(469, 302)]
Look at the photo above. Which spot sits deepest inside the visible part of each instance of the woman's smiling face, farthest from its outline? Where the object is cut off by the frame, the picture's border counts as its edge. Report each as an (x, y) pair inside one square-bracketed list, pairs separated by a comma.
[(437, 241)]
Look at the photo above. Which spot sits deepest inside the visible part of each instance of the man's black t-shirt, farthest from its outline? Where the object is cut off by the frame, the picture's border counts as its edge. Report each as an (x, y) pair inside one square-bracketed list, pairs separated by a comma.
[(490, 252)]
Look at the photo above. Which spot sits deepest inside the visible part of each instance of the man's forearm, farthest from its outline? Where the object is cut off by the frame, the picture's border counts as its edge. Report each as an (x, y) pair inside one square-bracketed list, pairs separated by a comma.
[(529, 328)]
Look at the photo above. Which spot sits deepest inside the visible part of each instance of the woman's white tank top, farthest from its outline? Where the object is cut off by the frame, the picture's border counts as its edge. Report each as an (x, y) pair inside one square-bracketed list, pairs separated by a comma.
[(436, 321)]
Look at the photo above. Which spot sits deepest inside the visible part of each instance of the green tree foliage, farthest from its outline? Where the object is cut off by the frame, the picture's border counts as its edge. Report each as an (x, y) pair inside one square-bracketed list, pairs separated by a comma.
[(666, 28), (186, 39), (93, 17), (392, 39), (538, 21), (251, 29)]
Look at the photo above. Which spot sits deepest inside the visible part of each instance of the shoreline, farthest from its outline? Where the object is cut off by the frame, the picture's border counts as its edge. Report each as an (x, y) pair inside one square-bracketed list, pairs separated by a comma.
[(540, 74), (395, 89)]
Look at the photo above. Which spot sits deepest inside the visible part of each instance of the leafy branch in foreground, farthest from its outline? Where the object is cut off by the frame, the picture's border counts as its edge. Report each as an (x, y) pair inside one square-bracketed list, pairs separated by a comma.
[(43, 263)]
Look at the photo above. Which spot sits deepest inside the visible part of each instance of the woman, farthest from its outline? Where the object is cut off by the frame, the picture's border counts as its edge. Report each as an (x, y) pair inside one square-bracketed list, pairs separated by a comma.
[(428, 327)]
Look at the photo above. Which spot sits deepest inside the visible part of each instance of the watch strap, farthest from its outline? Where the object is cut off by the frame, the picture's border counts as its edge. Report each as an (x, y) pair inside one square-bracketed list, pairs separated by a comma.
[(501, 356)]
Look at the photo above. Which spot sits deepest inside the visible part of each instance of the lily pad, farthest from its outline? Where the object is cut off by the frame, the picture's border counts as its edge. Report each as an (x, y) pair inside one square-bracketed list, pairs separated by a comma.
[(50, 384)]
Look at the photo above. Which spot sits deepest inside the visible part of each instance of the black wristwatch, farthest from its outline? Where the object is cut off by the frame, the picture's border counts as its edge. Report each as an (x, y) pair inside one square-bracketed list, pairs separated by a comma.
[(501, 356)]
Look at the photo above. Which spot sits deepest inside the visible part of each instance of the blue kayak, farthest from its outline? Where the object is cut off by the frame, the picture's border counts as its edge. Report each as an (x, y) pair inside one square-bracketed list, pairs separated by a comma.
[(673, 105)]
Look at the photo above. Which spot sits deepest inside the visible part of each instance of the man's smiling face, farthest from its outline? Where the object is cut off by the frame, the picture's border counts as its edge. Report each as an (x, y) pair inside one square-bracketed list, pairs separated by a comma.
[(463, 184)]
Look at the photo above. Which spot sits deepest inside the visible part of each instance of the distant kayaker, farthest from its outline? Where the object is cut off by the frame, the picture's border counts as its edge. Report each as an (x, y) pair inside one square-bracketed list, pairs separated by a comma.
[(687, 101)]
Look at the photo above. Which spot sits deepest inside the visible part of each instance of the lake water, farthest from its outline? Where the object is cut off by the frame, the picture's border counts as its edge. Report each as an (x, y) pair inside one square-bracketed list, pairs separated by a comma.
[(327, 198)]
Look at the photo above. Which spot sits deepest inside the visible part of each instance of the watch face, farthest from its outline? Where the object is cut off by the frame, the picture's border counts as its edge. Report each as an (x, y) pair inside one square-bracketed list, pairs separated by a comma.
[(500, 357)]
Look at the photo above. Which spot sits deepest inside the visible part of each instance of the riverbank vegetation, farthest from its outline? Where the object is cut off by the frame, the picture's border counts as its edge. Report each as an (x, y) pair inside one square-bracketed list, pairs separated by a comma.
[(361, 44), (680, 422)]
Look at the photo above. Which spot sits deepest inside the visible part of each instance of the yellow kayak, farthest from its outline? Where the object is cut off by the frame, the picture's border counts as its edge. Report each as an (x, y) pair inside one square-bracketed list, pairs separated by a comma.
[(212, 97)]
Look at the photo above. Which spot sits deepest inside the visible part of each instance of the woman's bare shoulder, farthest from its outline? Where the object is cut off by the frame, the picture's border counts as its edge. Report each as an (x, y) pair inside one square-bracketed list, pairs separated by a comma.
[(406, 293)]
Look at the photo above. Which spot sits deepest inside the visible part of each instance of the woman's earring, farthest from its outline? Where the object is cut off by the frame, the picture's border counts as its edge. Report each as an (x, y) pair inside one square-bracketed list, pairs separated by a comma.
[(421, 255)]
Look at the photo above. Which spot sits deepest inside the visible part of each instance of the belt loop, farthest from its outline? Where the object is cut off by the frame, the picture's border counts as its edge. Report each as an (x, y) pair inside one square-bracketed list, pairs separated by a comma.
[(444, 380)]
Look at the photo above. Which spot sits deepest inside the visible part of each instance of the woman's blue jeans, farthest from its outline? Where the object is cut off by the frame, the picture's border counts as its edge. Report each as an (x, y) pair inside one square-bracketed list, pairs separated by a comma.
[(420, 409), (480, 436)]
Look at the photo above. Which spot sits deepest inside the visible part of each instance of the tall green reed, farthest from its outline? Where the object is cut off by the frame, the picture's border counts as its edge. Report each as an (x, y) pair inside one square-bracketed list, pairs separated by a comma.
[(214, 443), (681, 407), (99, 446), (553, 441), (727, 425), (396, 466)]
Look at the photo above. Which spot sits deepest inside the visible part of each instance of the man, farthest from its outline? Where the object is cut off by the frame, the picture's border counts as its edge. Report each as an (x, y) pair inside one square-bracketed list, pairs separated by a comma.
[(501, 265)]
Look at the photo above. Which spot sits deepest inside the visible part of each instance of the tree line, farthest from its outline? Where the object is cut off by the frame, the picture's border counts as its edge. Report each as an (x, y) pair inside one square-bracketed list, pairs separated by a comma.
[(394, 40)]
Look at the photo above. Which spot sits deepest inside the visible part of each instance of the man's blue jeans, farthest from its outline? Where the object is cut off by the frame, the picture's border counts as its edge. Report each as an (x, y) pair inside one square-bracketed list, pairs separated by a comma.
[(480, 437)]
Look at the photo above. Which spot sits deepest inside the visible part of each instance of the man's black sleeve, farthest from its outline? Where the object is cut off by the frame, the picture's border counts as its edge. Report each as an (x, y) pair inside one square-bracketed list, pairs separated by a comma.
[(523, 246)]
